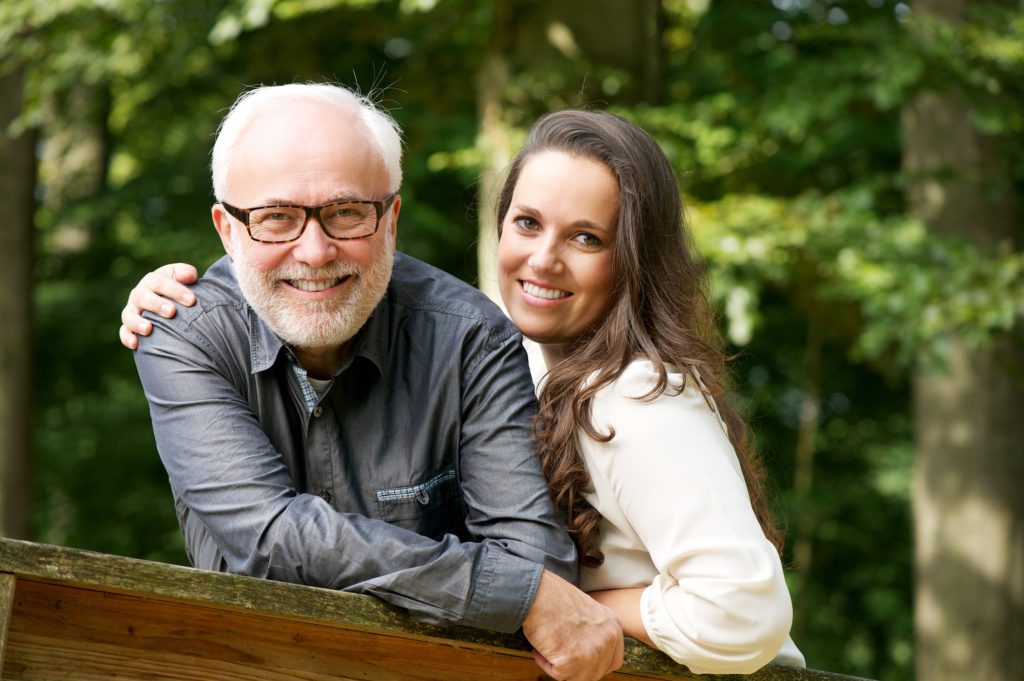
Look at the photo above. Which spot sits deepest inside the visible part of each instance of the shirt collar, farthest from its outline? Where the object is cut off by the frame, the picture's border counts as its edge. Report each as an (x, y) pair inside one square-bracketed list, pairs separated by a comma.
[(370, 342)]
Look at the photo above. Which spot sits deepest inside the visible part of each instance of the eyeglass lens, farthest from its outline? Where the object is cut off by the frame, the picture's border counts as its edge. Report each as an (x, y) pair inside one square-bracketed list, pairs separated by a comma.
[(340, 220)]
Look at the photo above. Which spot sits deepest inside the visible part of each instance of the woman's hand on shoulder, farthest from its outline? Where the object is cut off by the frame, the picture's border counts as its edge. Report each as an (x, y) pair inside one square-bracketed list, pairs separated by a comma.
[(157, 292)]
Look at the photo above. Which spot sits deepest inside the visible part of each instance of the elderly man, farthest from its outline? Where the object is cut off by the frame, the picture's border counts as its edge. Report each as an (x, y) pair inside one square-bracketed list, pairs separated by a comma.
[(337, 414)]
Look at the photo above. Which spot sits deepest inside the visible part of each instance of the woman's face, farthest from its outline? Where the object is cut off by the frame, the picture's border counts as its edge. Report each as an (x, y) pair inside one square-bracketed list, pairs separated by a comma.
[(555, 253)]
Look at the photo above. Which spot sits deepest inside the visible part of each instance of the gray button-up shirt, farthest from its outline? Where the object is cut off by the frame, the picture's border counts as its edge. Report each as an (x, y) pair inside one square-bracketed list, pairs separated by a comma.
[(413, 477)]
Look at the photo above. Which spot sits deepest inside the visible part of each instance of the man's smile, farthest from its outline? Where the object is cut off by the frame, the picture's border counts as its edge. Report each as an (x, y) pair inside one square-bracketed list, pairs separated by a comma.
[(316, 285)]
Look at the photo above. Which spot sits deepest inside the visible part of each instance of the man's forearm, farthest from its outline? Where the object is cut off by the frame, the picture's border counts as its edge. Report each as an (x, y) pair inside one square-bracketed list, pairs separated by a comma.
[(226, 472), (475, 584)]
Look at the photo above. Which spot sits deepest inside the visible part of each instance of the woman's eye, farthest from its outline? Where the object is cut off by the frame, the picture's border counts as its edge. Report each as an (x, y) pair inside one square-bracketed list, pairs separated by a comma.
[(525, 223), (588, 240)]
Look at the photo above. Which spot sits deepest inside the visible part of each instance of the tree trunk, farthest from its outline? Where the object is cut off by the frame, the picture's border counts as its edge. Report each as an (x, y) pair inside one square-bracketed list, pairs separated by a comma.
[(495, 145), (17, 186), (806, 448), (969, 430)]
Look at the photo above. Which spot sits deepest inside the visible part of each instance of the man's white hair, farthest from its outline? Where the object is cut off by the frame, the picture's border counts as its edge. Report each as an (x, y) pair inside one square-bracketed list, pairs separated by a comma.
[(386, 133)]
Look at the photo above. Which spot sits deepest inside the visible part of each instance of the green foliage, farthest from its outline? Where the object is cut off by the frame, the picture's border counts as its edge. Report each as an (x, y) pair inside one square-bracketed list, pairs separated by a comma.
[(852, 601), (783, 123), (911, 290), (787, 140)]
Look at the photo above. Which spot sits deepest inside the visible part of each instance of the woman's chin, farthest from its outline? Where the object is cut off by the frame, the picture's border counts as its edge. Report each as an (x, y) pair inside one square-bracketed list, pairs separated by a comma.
[(544, 338)]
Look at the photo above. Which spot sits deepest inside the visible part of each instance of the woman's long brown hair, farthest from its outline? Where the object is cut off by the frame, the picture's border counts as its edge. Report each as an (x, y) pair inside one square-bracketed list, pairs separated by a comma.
[(659, 312)]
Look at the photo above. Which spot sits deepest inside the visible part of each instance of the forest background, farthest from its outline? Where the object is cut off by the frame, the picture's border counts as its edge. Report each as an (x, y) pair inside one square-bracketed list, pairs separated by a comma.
[(853, 172)]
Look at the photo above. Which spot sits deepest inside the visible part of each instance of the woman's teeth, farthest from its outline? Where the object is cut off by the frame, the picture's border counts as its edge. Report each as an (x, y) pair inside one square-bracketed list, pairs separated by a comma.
[(548, 293)]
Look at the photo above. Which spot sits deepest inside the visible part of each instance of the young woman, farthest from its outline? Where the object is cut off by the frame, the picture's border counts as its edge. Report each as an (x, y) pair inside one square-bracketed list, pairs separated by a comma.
[(642, 448)]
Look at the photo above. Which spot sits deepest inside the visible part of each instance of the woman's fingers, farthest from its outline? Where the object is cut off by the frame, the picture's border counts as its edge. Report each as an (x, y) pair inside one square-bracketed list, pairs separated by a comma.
[(157, 292)]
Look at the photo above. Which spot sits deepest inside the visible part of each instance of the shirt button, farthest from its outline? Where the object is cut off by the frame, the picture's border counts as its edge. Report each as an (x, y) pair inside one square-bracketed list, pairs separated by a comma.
[(317, 411), (325, 494), (422, 496)]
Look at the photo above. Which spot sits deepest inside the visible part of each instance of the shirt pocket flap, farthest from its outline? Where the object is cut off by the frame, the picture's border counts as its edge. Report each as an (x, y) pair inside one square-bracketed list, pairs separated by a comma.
[(431, 508)]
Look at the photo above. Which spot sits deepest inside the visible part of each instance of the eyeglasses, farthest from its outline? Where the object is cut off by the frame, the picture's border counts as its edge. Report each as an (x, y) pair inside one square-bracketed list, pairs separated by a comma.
[(341, 220)]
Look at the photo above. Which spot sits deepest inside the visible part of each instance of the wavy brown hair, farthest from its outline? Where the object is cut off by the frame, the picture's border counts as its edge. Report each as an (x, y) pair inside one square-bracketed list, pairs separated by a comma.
[(659, 311)]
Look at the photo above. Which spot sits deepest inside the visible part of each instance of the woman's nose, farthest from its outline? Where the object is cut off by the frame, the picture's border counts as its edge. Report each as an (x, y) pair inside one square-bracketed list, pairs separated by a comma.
[(546, 256)]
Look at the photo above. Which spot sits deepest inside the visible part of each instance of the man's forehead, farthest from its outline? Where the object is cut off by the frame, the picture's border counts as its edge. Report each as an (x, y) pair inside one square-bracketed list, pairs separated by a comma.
[(304, 118), (340, 195), (313, 152)]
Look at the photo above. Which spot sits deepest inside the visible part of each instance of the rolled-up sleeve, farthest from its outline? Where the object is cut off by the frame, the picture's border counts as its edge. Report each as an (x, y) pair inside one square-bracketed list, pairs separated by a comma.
[(719, 603)]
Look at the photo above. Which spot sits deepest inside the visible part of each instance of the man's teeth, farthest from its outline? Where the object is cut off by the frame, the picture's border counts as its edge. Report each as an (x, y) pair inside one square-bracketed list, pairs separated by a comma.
[(313, 286), (549, 293)]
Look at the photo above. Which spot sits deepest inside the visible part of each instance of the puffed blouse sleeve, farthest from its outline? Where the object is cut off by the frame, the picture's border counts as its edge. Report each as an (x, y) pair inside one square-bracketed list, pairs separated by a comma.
[(719, 603)]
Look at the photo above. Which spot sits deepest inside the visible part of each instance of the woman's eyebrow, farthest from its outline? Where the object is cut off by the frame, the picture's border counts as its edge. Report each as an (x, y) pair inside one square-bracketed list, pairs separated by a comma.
[(592, 226)]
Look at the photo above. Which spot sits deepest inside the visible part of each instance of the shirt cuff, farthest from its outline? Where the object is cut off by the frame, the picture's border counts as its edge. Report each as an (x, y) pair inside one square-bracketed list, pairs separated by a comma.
[(504, 589)]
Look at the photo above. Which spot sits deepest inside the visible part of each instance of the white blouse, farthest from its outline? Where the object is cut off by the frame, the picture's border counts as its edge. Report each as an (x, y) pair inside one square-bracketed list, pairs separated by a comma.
[(677, 520)]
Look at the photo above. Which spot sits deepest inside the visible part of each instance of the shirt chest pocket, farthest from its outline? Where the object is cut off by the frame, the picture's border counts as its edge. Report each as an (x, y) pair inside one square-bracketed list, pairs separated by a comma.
[(432, 508)]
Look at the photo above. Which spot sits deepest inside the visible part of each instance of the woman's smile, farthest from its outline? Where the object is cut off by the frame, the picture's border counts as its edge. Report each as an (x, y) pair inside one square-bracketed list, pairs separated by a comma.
[(546, 293)]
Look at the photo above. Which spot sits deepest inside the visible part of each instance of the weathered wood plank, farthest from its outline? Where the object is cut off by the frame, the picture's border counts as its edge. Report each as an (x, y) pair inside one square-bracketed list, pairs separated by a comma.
[(72, 632), (7, 581), (118, 574), (75, 611), (55, 628)]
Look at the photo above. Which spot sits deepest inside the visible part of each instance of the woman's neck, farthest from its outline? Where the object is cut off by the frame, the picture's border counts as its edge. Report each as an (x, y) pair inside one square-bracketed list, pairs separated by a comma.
[(553, 353)]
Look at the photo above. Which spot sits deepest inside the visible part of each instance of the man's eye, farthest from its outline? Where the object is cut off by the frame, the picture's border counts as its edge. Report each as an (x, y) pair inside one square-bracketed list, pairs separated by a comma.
[(340, 212), (271, 216)]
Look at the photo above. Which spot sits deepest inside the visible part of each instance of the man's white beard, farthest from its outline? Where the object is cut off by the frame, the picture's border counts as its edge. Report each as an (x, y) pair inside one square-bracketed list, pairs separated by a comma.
[(320, 323)]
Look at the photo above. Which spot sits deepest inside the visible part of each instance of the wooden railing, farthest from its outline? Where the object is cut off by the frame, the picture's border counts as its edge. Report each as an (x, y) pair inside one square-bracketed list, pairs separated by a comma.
[(73, 614)]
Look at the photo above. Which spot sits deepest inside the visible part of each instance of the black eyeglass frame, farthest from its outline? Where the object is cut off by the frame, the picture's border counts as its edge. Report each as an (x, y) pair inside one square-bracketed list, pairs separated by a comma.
[(242, 215)]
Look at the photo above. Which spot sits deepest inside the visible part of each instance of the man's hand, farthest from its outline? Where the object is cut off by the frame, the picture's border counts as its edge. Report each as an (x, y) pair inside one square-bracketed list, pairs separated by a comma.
[(156, 293), (574, 637)]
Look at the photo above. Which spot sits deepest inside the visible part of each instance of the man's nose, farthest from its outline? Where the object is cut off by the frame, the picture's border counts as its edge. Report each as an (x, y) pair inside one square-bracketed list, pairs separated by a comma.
[(314, 247)]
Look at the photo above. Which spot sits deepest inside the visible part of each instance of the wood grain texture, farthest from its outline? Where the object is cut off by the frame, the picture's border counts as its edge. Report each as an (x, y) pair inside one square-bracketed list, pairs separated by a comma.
[(59, 631), (7, 581), (118, 574), (83, 615)]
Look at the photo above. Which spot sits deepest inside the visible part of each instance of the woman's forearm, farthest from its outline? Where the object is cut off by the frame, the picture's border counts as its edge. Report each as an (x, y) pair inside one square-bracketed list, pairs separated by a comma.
[(625, 603)]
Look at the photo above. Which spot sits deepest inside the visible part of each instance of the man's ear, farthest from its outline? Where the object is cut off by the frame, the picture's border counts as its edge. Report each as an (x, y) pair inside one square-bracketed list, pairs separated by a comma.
[(222, 223), (396, 208)]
